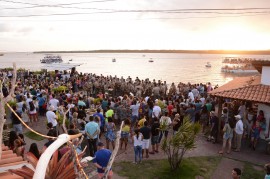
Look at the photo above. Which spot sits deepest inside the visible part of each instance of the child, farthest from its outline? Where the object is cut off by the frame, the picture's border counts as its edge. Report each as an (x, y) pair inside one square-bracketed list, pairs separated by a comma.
[(125, 134), (255, 134)]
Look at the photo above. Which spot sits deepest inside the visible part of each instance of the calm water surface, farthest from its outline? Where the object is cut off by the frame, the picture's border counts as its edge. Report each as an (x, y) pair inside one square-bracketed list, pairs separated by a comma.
[(171, 67)]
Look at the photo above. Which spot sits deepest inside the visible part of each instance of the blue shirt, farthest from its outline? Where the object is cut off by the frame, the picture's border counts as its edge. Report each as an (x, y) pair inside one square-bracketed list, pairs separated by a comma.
[(91, 128), (102, 158)]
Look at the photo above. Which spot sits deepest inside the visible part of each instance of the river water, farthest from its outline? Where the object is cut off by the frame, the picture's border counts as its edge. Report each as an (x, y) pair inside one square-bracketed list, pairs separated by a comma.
[(170, 67)]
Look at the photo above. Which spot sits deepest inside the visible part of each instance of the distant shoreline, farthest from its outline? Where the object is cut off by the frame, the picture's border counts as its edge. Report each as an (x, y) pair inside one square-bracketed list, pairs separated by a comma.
[(238, 52)]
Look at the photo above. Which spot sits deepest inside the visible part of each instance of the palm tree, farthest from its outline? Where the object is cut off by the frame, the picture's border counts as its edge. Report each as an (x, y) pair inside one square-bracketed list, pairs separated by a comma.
[(176, 146), (57, 169)]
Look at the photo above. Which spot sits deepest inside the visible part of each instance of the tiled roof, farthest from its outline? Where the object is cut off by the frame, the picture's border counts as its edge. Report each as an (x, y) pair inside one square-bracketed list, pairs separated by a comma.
[(239, 82), (10, 160), (257, 93)]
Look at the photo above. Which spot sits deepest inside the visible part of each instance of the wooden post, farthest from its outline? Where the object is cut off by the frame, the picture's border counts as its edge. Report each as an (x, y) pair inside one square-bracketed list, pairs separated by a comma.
[(219, 138)]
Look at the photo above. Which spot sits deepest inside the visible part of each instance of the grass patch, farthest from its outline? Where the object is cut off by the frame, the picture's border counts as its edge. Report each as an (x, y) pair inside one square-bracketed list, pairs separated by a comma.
[(33, 136), (249, 172), (160, 169)]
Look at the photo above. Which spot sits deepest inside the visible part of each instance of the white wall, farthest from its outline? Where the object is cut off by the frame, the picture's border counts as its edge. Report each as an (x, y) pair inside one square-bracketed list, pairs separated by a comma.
[(265, 80), (266, 110)]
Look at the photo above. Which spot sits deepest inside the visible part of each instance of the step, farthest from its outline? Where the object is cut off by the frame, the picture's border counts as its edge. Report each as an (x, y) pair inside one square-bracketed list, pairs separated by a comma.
[(10, 160), (8, 175), (9, 156)]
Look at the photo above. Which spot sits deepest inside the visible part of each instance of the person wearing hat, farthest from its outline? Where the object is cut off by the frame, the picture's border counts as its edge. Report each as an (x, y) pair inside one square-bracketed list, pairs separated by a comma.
[(101, 160), (239, 130)]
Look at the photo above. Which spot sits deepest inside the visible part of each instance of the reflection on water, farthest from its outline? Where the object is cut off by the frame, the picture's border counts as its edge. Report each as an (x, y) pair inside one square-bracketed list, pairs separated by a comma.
[(166, 67)]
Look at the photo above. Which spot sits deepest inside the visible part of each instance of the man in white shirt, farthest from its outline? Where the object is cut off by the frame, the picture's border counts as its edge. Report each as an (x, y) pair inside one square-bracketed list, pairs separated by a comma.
[(191, 96), (51, 116), (54, 102), (156, 110), (239, 130)]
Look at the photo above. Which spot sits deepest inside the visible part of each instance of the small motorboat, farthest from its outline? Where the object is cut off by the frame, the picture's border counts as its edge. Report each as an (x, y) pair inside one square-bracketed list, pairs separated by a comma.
[(70, 60), (208, 65), (113, 60), (151, 60)]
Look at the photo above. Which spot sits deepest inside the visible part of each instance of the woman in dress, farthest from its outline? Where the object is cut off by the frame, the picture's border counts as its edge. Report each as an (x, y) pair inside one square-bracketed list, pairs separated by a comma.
[(110, 135), (255, 134), (227, 136), (32, 112), (125, 134)]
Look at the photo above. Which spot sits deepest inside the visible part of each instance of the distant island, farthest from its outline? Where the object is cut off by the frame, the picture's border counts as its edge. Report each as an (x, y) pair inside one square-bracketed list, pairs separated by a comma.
[(242, 52)]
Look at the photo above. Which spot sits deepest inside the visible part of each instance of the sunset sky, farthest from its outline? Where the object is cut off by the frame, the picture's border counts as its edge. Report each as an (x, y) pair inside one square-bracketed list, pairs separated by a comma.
[(134, 24)]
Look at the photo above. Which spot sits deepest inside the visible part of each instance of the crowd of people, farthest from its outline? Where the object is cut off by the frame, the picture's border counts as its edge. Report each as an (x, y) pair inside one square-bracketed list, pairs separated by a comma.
[(98, 104)]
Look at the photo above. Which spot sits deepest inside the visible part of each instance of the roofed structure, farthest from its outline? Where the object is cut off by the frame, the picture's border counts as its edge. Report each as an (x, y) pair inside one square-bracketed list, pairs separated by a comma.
[(256, 93), (239, 82), (247, 88), (258, 64)]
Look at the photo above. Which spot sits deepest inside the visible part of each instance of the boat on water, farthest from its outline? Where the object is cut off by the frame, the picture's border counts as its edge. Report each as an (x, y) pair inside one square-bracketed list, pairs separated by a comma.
[(238, 65), (52, 59), (113, 60), (237, 60), (208, 65), (151, 60), (71, 60)]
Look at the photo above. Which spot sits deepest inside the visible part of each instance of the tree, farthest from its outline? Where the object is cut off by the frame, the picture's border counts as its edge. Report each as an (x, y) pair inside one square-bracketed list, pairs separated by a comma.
[(176, 146), (4, 100)]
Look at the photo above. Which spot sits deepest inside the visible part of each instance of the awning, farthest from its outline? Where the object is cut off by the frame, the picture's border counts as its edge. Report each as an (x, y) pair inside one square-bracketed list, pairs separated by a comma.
[(60, 66)]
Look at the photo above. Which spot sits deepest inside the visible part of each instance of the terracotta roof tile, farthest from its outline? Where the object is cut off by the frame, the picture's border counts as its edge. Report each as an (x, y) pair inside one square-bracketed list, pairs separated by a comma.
[(239, 82), (257, 93)]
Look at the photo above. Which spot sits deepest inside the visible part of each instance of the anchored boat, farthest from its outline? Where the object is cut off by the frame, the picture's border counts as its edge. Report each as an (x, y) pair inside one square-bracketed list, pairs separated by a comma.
[(51, 59)]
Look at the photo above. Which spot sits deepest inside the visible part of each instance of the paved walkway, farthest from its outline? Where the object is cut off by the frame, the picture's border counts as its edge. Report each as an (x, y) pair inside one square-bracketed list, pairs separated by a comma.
[(225, 167), (204, 148)]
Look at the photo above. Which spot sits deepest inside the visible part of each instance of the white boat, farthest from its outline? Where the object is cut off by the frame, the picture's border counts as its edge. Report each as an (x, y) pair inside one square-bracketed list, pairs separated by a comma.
[(238, 66), (51, 59), (113, 60), (208, 65)]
